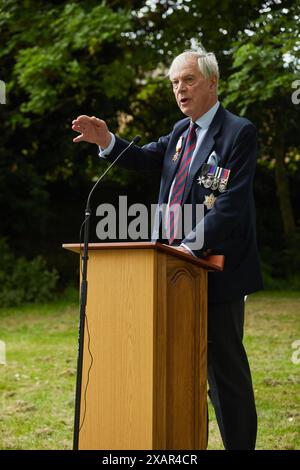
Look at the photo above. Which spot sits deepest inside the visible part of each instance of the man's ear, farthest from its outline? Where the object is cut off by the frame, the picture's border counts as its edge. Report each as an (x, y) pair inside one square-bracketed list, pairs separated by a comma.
[(213, 83)]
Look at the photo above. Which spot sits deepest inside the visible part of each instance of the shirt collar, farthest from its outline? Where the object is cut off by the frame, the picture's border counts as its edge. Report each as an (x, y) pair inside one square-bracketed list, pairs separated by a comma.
[(205, 120)]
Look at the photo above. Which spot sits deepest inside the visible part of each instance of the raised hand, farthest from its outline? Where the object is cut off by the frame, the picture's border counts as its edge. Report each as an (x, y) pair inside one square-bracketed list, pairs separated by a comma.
[(92, 130)]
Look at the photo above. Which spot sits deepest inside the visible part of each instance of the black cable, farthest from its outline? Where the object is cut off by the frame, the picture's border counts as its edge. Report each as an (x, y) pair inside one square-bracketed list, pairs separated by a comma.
[(88, 375), (88, 332)]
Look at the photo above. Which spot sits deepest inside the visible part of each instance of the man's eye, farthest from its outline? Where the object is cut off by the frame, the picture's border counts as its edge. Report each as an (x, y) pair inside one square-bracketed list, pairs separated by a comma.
[(190, 81)]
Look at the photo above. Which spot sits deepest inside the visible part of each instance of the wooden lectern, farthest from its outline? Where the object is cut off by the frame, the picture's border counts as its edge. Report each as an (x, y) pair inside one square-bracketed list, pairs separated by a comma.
[(144, 350)]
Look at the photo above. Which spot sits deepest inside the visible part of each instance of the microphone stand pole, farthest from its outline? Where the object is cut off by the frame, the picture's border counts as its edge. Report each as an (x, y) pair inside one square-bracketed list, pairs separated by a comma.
[(82, 313)]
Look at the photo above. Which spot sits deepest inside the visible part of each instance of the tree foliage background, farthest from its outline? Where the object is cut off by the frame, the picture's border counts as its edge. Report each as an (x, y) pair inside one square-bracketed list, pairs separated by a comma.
[(109, 58)]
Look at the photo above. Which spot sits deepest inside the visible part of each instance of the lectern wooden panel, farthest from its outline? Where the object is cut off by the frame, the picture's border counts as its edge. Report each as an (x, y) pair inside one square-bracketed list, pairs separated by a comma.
[(144, 355)]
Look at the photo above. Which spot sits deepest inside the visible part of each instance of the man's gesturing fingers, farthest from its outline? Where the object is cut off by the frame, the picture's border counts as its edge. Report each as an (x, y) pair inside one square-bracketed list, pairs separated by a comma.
[(79, 138), (92, 130)]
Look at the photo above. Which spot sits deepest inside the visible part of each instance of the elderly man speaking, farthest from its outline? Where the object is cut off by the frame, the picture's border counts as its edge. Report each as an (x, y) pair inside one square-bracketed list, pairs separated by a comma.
[(208, 158)]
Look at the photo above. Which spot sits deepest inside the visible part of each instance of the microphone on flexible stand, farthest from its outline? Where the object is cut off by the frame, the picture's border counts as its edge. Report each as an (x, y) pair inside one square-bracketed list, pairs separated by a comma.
[(83, 295)]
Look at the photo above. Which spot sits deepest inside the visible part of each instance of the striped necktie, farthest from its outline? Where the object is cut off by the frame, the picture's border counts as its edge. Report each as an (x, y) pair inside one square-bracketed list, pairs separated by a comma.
[(180, 183)]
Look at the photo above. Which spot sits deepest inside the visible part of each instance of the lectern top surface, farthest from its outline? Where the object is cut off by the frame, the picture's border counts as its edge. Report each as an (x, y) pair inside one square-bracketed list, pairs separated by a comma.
[(211, 263)]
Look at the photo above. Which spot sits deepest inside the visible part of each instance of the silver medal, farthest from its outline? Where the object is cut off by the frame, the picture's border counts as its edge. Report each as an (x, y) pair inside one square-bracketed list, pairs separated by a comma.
[(200, 180), (207, 182), (215, 184), (222, 185)]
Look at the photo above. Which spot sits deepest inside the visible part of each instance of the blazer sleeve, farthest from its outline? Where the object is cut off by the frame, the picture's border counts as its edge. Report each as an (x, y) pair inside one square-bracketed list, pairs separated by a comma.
[(219, 222), (148, 157)]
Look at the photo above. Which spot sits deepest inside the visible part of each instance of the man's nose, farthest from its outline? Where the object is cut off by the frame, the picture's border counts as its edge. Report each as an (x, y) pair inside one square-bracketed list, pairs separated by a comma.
[(181, 86)]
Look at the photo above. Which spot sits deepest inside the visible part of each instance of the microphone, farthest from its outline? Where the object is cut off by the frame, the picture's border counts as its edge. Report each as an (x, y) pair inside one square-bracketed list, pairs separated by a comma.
[(136, 139)]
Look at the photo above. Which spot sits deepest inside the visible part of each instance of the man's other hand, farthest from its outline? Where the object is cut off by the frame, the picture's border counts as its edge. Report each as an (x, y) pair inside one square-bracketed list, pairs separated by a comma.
[(183, 249), (92, 130)]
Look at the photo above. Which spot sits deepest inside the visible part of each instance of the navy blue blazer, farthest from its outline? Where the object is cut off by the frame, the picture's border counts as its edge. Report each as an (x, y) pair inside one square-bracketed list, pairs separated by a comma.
[(229, 226)]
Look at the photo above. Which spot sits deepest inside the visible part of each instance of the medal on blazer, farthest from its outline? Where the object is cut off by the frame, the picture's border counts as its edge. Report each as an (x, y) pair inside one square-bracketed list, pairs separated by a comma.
[(178, 148), (203, 172), (210, 201), (223, 180), (214, 177), (208, 181), (215, 183)]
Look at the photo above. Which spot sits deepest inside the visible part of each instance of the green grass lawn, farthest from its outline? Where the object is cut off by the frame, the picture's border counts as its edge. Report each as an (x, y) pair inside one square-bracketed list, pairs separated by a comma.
[(37, 384), (272, 324)]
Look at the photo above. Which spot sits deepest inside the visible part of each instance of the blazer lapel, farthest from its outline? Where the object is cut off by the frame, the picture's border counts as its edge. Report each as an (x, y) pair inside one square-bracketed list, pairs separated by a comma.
[(204, 150)]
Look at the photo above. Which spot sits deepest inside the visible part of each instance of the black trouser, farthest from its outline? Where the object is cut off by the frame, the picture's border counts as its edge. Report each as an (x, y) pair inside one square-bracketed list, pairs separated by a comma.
[(229, 378)]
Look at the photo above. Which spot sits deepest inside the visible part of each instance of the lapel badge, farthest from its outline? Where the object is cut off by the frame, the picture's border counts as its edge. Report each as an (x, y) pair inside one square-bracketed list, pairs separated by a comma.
[(210, 201), (178, 148)]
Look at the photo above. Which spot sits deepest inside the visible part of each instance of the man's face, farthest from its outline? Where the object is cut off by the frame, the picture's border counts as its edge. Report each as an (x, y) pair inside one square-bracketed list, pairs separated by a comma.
[(194, 94)]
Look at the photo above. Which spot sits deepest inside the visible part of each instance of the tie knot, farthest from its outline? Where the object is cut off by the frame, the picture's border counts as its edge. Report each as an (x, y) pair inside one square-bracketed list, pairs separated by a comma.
[(193, 126)]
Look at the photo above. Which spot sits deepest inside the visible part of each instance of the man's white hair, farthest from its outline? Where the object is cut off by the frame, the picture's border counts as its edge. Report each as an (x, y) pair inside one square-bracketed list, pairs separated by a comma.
[(207, 62)]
